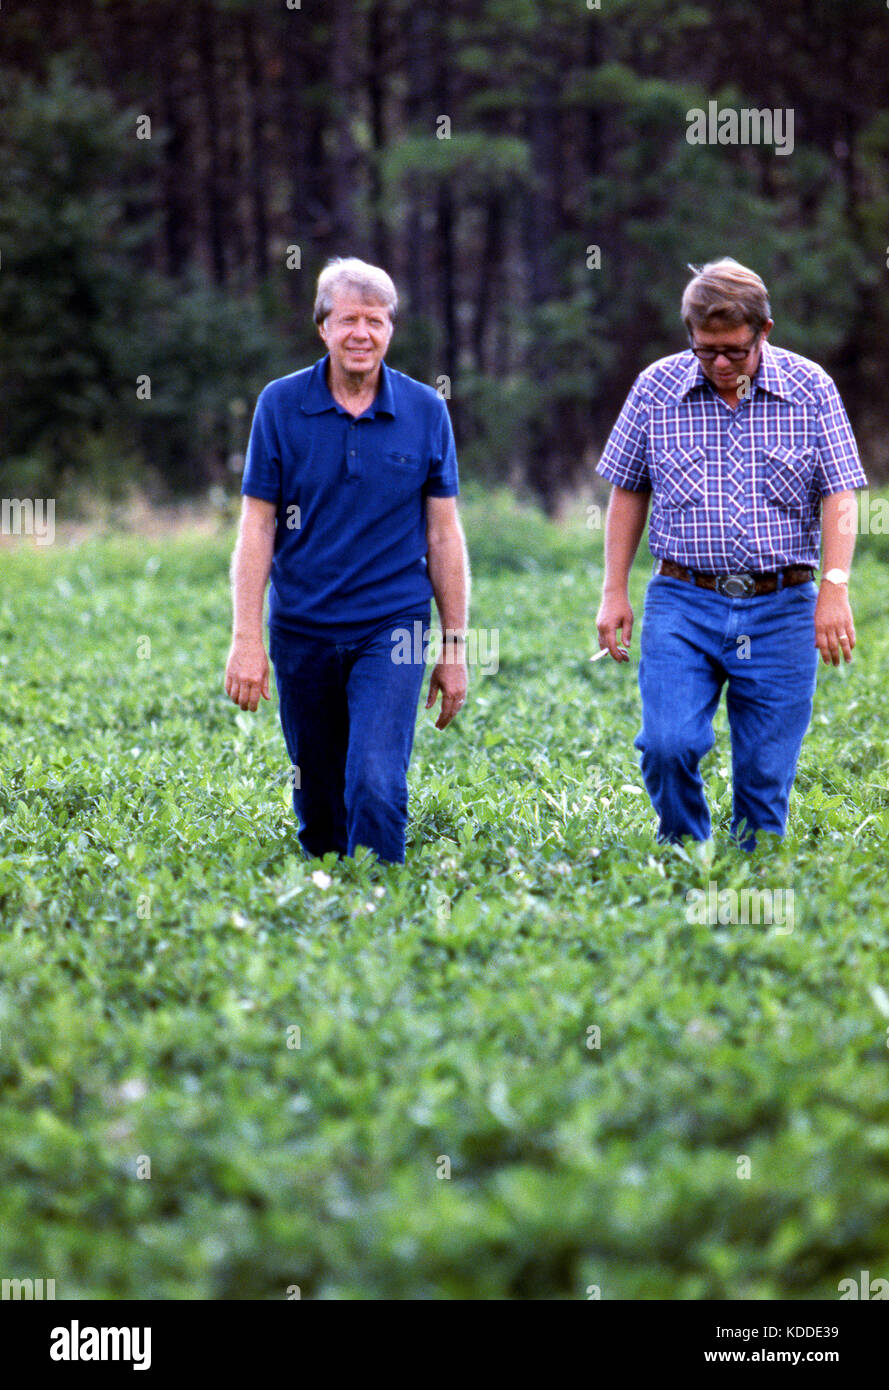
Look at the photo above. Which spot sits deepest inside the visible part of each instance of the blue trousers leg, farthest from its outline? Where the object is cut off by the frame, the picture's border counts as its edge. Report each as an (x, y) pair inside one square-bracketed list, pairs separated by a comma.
[(315, 722), (680, 680), (383, 695), (769, 704)]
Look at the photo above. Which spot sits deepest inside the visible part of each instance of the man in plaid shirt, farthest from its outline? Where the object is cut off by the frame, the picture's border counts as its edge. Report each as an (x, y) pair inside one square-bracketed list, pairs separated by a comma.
[(748, 457)]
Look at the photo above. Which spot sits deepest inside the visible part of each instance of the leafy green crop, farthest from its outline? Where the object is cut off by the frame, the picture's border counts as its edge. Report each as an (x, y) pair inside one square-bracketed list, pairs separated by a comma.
[(302, 1050)]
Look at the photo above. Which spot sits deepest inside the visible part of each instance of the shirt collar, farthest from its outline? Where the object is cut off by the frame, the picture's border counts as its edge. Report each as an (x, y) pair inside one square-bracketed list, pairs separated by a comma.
[(769, 376), (318, 398)]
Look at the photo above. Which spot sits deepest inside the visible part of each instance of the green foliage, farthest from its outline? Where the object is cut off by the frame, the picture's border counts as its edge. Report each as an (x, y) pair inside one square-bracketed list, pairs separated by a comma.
[(65, 292), (478, 162), (81, 321), (208, 354), (567, 128), (161, 934)]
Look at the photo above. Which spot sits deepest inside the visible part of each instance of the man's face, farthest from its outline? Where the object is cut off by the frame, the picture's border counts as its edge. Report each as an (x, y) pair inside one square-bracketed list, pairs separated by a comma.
[(357, 333), (722, 371)]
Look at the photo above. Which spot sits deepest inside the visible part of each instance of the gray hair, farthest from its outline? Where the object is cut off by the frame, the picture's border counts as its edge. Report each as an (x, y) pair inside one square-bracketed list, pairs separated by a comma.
[(348, 272)]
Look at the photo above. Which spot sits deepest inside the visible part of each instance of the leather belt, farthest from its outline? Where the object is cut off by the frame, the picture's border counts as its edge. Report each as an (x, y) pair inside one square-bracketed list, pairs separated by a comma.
[(744, 585)]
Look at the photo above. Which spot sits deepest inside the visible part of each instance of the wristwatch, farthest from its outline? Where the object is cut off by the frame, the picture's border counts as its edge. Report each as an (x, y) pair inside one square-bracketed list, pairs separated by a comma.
[(837, 577)]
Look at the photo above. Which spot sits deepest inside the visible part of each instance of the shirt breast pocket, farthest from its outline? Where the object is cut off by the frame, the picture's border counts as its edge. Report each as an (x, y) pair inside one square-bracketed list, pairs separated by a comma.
[(787, 477), (402, 471), (679, 476), (410, 463)]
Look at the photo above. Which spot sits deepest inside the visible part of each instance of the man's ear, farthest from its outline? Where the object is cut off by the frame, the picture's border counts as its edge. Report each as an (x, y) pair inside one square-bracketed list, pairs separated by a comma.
[(767, 328)]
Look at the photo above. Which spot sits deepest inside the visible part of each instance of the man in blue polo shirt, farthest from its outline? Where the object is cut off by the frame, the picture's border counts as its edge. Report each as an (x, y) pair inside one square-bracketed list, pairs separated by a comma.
[(349, 504), (746, 452)]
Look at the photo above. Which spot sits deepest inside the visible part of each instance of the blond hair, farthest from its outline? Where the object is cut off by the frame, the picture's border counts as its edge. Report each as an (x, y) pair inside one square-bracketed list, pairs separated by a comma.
[(727, 291)]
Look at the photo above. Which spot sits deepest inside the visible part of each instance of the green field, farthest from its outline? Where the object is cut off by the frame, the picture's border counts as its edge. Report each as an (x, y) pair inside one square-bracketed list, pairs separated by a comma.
[(163, 940)]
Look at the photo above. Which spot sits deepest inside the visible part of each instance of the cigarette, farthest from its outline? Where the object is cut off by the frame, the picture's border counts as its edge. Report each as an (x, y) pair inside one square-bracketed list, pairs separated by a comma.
[(605, 652)]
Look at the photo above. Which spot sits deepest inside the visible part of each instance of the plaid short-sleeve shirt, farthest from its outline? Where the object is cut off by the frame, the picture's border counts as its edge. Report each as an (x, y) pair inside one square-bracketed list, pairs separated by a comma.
[(734, 489)]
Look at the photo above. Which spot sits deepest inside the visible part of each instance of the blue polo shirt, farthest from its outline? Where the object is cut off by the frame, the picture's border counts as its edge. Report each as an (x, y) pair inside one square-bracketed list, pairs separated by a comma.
[(350, 492)]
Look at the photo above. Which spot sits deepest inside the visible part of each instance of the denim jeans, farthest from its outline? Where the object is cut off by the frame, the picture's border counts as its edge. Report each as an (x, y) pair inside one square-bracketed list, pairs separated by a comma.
[(694, 641), (348, 712)]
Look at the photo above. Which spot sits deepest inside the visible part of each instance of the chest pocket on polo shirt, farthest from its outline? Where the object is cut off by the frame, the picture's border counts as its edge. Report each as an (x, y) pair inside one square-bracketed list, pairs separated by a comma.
[(402, 471), (787, 476), (679, 477), (399, 460)]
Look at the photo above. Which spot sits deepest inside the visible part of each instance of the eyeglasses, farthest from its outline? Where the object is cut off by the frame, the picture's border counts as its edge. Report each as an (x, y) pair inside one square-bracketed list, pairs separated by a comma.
[(734, 354)]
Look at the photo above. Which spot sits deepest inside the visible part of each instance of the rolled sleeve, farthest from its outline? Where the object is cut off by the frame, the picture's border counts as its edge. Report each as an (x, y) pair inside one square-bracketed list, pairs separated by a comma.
[(262, 466), (839, 466), (624, 460)]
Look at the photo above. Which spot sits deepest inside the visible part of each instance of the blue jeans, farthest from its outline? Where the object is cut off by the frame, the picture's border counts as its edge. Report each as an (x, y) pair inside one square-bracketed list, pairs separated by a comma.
[(694, 641), (348, 712)]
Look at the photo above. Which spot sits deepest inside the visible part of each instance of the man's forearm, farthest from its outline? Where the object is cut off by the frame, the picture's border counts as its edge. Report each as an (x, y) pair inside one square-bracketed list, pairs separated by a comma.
[(250, 569), (624, 525), (448, 567), (839, 514)]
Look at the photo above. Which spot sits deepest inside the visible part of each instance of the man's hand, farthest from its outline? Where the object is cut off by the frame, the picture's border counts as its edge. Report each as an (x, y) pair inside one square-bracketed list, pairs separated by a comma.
[(834, 628), (247, 672), (452, 679), (615, 616)]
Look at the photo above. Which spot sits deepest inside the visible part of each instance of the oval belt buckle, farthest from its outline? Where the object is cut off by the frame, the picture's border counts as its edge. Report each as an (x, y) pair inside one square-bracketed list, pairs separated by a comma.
[(736, 585)]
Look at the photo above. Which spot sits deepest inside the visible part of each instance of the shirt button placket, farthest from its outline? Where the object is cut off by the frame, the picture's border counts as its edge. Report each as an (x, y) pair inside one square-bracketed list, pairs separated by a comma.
[(734, 493)]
